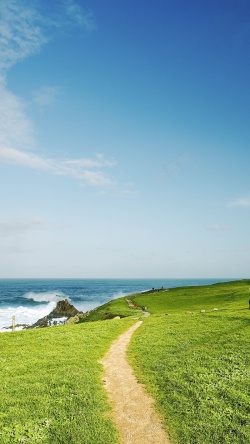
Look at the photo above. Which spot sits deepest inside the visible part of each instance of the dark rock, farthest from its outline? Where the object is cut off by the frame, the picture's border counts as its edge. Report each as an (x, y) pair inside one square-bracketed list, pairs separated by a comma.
[(63, 309)]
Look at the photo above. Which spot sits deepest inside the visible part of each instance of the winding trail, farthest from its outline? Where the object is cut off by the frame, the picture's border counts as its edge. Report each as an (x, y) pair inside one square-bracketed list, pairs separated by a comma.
[(133, 411)]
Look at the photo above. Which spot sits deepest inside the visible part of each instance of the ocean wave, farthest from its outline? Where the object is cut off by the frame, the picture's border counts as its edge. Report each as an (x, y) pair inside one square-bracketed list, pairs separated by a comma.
[(28, 316), (50, 296), (24, 315)]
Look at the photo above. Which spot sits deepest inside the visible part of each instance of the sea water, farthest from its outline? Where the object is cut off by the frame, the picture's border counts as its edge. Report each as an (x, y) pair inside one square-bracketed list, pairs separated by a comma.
[(31, 299)]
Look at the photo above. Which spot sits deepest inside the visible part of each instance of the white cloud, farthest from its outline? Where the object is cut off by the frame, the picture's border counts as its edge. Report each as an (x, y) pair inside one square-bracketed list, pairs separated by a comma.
[(16, 129), (71, 168), (99, 162), (243, 202), (21, 34), (22, 27), (27, 159)]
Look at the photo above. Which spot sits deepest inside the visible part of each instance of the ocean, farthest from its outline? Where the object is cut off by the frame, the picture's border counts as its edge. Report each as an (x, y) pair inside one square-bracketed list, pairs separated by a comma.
[(31, 299)]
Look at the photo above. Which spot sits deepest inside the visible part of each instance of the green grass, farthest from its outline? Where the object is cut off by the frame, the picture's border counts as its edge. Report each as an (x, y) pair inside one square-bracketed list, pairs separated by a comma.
[(51, 389), (117, 307), (197, 365), (178, 300)]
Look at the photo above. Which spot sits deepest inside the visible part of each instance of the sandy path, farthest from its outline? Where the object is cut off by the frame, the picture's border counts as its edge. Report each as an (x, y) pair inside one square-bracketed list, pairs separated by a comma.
[(133, 410)]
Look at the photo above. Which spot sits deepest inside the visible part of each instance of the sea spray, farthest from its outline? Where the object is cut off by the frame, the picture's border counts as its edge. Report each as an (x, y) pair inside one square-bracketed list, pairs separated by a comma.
[(24, 315), (53, 296)]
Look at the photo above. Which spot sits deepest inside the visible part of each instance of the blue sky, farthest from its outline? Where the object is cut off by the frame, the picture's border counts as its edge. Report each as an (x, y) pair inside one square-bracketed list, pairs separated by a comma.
[(124, 138)]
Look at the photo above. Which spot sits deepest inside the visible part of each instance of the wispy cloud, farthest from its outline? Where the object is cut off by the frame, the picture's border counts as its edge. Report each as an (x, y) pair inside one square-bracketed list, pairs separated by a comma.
[(83, 170), (46, 96), (24, 30), (98, 162), (16, 129), (21, 33), (75, 13), (21, 36), (243, 202)]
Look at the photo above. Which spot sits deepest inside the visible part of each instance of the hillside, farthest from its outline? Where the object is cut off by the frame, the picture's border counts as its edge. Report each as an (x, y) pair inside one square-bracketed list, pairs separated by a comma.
[(230, 295), (193, 360), (196, 364), (193, 354)]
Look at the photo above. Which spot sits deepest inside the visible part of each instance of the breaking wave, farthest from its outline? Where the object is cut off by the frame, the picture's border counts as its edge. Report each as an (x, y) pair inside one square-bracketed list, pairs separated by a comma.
[(51, 296), (24, 315)]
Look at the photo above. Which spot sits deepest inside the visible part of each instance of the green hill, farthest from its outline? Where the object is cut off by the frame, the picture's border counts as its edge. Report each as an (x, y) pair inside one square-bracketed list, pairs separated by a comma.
[(229, 295), (193, 356), (51, 389), (195, 364)]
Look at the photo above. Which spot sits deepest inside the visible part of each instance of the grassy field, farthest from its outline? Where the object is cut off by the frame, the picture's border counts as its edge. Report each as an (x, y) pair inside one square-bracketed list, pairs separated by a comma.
[(196, 365), (51, 389)]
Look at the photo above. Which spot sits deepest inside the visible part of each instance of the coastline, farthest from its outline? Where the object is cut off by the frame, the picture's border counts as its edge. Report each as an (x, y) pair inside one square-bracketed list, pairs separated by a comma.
[(32, 299)]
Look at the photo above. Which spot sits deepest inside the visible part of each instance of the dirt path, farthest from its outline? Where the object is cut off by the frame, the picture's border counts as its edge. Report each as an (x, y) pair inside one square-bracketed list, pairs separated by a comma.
[(133, 410)]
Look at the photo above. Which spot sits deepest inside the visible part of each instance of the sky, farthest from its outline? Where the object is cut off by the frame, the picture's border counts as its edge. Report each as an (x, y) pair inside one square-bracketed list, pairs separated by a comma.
[(124, 139)]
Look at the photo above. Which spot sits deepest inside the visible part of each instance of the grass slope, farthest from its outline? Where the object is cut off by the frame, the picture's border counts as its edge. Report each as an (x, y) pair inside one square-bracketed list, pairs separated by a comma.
[(197, 365), (117, 307), (178, 300), (51, 389)]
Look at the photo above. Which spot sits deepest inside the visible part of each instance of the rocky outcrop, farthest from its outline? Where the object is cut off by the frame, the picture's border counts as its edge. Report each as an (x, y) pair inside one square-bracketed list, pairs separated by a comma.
[(63, 309)]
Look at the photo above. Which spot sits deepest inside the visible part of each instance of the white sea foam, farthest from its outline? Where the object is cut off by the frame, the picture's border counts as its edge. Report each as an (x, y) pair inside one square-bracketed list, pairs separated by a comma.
[(50, 296), (119, 294), (28, 316), (57, 321), (24, 315)]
